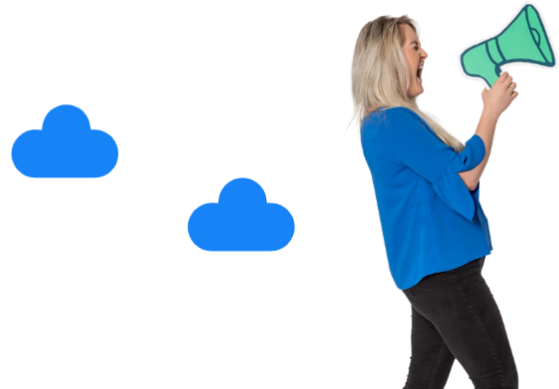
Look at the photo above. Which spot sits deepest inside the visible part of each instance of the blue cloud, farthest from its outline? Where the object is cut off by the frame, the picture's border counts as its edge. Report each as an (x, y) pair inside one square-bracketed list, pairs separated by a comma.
[(65, 147), (241, 220)]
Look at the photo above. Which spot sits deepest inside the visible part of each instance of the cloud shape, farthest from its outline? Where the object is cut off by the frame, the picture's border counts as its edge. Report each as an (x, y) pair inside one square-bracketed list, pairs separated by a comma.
[(241, 220), (65, 147)]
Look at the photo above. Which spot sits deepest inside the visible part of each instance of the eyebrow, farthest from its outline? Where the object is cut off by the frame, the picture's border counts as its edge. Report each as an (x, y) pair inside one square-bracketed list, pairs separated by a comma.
[(415, 43)]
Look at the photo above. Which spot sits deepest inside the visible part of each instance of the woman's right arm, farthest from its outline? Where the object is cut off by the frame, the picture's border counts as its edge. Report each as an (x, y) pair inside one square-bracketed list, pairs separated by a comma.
[(496, 100), (486, 131)]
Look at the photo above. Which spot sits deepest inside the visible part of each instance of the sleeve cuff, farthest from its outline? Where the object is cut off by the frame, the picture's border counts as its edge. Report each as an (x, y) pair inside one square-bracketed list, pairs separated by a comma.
[(449, 185), (473, 153)]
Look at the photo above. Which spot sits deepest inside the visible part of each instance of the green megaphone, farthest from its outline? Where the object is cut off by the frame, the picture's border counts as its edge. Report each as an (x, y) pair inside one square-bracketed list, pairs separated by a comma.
[(523, 40)]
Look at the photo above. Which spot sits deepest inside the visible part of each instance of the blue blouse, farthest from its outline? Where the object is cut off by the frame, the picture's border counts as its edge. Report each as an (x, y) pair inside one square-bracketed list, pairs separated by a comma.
[(431, 222)]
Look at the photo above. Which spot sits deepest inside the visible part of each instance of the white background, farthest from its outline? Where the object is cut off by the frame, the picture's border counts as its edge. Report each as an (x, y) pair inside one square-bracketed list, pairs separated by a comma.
[(100, 284)]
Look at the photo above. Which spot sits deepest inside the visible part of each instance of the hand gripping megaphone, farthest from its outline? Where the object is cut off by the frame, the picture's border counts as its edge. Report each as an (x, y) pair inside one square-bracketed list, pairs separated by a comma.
[(523, 40)]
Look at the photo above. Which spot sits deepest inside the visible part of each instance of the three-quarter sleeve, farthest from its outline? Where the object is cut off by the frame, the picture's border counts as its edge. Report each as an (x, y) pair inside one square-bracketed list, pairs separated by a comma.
[(414, 145)]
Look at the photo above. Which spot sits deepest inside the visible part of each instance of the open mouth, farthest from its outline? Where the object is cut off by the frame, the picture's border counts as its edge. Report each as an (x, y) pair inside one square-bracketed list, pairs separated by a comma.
[(419, 71)]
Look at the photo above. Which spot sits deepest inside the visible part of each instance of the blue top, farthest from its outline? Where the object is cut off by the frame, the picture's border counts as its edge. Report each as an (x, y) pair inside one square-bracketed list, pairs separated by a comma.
[(431, 222)]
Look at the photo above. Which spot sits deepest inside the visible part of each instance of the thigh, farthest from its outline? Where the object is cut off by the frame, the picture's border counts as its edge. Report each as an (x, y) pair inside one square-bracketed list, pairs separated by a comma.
[(431, 360), (462, 308)]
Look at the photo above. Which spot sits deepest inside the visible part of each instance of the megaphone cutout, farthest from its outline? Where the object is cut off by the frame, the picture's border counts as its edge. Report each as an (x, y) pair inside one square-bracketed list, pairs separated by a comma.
[(523, 40)]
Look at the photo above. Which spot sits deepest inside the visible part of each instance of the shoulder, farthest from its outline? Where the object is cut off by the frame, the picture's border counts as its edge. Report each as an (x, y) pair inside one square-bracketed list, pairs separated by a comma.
[(392, 121), (394, 114), (401, 121), (402, 114)]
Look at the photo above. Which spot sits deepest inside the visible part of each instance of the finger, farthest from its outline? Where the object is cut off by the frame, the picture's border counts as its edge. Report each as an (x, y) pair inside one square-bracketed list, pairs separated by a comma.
[(503, 78)]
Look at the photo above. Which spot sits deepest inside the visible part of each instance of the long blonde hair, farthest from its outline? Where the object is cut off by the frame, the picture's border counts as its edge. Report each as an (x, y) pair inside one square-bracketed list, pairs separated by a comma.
[(380, 75)]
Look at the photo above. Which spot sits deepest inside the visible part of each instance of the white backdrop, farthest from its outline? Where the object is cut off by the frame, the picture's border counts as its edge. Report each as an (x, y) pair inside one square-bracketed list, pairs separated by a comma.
[(100, 284)]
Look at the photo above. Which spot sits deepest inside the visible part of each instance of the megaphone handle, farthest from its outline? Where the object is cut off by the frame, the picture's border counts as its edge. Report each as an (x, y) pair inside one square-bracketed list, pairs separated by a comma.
[(492, 79), (498, 71)]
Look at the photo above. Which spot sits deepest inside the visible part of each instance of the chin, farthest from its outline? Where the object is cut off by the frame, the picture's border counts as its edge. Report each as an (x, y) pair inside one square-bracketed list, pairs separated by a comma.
[(416, 92), (414, 95)]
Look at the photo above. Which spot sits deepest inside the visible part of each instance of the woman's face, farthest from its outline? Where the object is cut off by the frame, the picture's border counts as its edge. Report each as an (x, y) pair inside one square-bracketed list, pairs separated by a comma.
[(415, 56)]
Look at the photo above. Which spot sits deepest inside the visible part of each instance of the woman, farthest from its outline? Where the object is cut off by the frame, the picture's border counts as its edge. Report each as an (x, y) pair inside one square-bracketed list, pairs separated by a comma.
[(427, 190)]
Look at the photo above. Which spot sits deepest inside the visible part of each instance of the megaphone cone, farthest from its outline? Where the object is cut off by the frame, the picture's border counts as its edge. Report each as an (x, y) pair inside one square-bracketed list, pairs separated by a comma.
[(523, 40)]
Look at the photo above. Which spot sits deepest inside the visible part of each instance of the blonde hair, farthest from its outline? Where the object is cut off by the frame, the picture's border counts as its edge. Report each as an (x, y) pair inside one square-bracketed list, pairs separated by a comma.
[(380, 75)]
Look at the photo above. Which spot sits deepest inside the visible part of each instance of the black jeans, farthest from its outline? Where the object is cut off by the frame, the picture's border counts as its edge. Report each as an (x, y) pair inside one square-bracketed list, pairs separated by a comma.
[(454, 315)]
